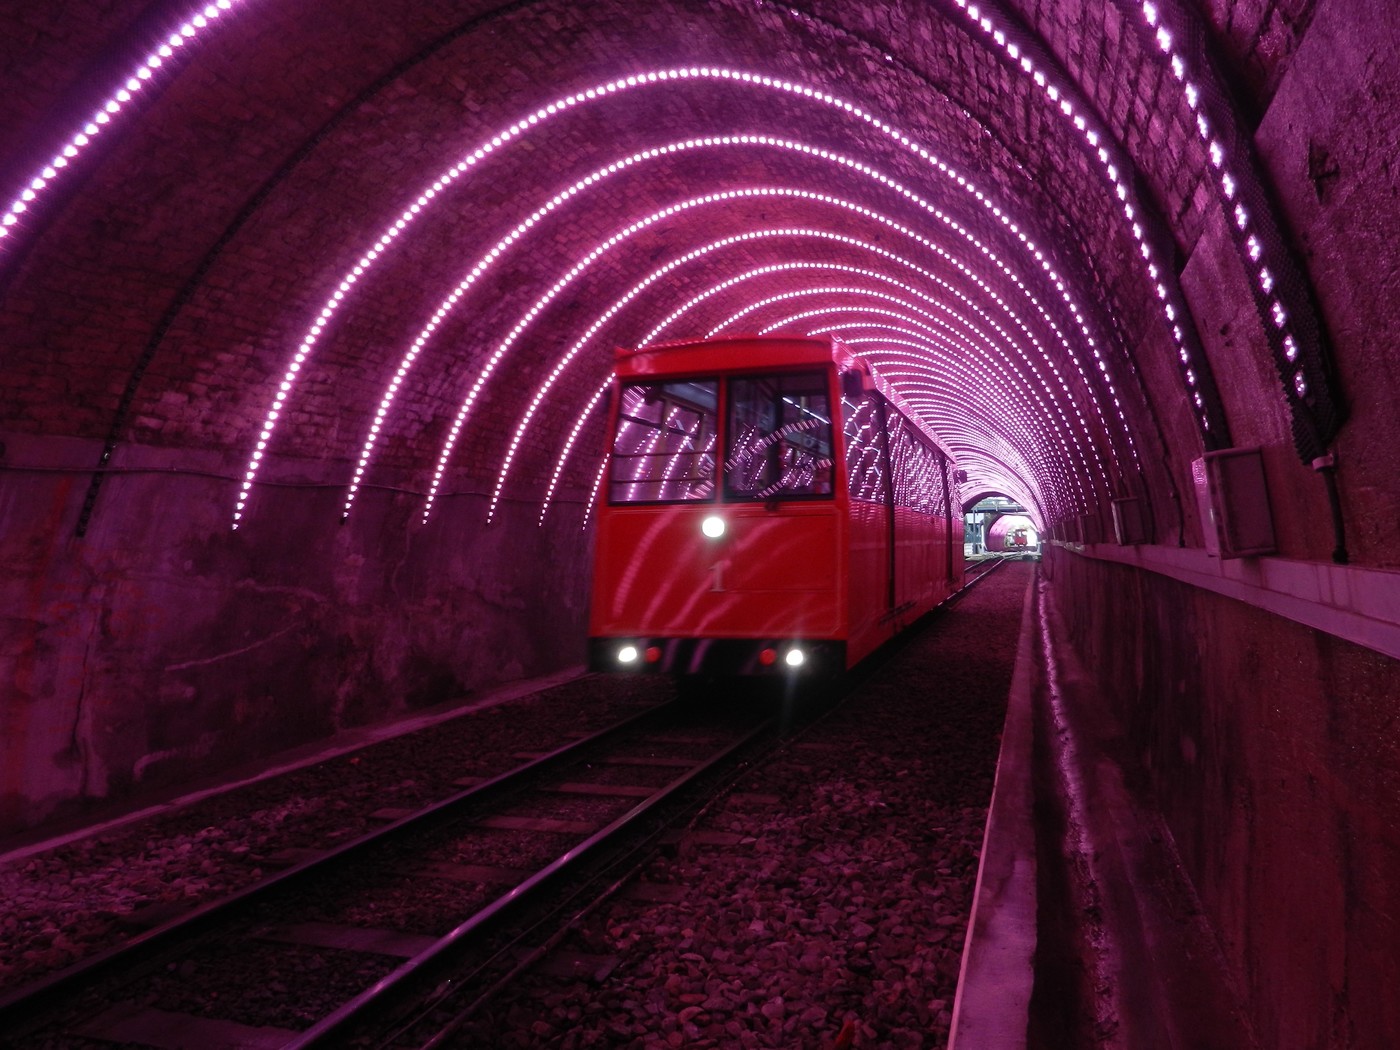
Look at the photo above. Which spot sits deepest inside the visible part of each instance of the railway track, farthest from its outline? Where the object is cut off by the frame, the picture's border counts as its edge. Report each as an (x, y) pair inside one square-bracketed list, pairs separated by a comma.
[(302, 955), (442, 1017), (459, 1017), (459, 897)]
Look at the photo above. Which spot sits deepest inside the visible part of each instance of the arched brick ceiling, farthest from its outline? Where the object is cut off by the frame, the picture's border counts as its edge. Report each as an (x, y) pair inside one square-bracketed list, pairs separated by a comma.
[(353, 243)]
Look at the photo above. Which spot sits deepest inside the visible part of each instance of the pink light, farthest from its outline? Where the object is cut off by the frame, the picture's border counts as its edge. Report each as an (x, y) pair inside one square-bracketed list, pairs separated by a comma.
[(973, 276), (134, 81), (1000, 381), (966, 440), (520, 128), (538, 399), (768, 270), (1120, 189), (569, 446), (914, 367), (597, 485)]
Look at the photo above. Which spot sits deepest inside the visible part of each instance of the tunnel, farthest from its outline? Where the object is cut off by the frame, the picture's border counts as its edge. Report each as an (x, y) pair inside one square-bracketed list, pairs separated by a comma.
[(309, 310)]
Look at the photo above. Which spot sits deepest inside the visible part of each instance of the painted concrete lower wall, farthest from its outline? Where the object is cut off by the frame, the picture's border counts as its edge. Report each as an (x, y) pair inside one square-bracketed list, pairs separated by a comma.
[(1273, 751), (164, 646)]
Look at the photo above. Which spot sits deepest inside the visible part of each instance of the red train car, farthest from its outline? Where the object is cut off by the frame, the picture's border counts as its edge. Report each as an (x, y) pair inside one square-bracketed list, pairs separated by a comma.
[(767, 506)]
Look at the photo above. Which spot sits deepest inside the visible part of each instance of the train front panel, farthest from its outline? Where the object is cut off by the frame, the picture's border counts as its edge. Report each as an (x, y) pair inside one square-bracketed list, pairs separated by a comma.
[(721, 540), (676, 592)]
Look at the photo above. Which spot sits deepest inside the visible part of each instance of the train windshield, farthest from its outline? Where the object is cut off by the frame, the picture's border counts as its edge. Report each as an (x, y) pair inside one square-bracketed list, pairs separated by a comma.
[(664, 448), (778, 438)]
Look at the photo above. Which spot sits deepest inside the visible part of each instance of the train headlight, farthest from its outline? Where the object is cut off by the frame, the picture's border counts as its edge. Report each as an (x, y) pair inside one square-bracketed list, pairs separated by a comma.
[(795, 658), (713, 526), (627, 654)]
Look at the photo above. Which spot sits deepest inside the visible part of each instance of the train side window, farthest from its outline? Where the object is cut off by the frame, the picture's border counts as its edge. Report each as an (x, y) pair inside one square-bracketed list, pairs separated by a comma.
[(919, 484), (779, 438), (664, 446), (865, 443)]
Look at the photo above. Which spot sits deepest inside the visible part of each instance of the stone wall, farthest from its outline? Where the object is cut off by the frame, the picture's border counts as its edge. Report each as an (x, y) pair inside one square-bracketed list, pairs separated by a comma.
[(162, 645), (1273, 752)]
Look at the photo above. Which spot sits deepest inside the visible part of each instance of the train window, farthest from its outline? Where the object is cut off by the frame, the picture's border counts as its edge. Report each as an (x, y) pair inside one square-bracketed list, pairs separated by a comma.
[(865, 446), (664, 446), (918, 473), (779, 438)]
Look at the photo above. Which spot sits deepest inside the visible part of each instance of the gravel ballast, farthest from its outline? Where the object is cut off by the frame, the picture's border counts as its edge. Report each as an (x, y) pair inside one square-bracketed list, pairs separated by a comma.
[(66, 903), (839, 918)]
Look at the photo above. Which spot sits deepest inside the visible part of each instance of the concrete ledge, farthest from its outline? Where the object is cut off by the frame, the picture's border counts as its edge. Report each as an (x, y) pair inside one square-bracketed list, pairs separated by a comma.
[(992, 1006), (1358, 605)]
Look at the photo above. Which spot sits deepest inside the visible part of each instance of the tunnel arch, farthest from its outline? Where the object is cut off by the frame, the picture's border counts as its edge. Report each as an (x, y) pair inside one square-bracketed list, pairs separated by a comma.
[(1060, 99), (157, 287)]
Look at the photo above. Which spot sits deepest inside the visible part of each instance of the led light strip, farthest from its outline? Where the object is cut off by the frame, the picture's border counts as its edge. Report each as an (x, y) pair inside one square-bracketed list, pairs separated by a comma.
[(937, 350), (628, 297), (485, 262), (132, 85), (970, 445), (935, 279), (540, 393), (914, 377), (544, 114), (1226, 182), (762, 272), (991, 346), (213, 11), (671, 149), (972, 331), (1168, 292), (971, 275), (944, 349), (559, 367), (916, 356), (986, 474), (607, 315), (593, 498), (912, 356), (568, 448)]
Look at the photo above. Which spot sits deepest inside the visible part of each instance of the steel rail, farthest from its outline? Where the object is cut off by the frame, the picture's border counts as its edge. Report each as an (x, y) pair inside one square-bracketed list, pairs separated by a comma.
[(335, 1023), (33, 996), (447, 1030)]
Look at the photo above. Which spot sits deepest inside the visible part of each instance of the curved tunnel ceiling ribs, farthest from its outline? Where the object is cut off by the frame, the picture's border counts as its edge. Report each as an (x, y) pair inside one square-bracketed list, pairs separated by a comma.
[(952, 293), (915, 355), (823, 291), (134, 83), (1283, 296), (1032, 60), (1023, 377), (541, 115), (798, 233), (480, 268)]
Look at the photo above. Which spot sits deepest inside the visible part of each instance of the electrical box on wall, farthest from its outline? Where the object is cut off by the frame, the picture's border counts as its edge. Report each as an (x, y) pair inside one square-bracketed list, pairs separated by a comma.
[(1233, 498), (1129, 523)]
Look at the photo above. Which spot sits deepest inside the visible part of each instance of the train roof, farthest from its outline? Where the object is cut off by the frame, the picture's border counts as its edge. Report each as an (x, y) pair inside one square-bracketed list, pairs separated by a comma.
[(734, 352)]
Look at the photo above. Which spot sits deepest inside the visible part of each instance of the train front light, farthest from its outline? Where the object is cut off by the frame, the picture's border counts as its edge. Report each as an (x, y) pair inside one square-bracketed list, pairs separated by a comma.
[(713, 526), (627, 654), (795, 658)]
